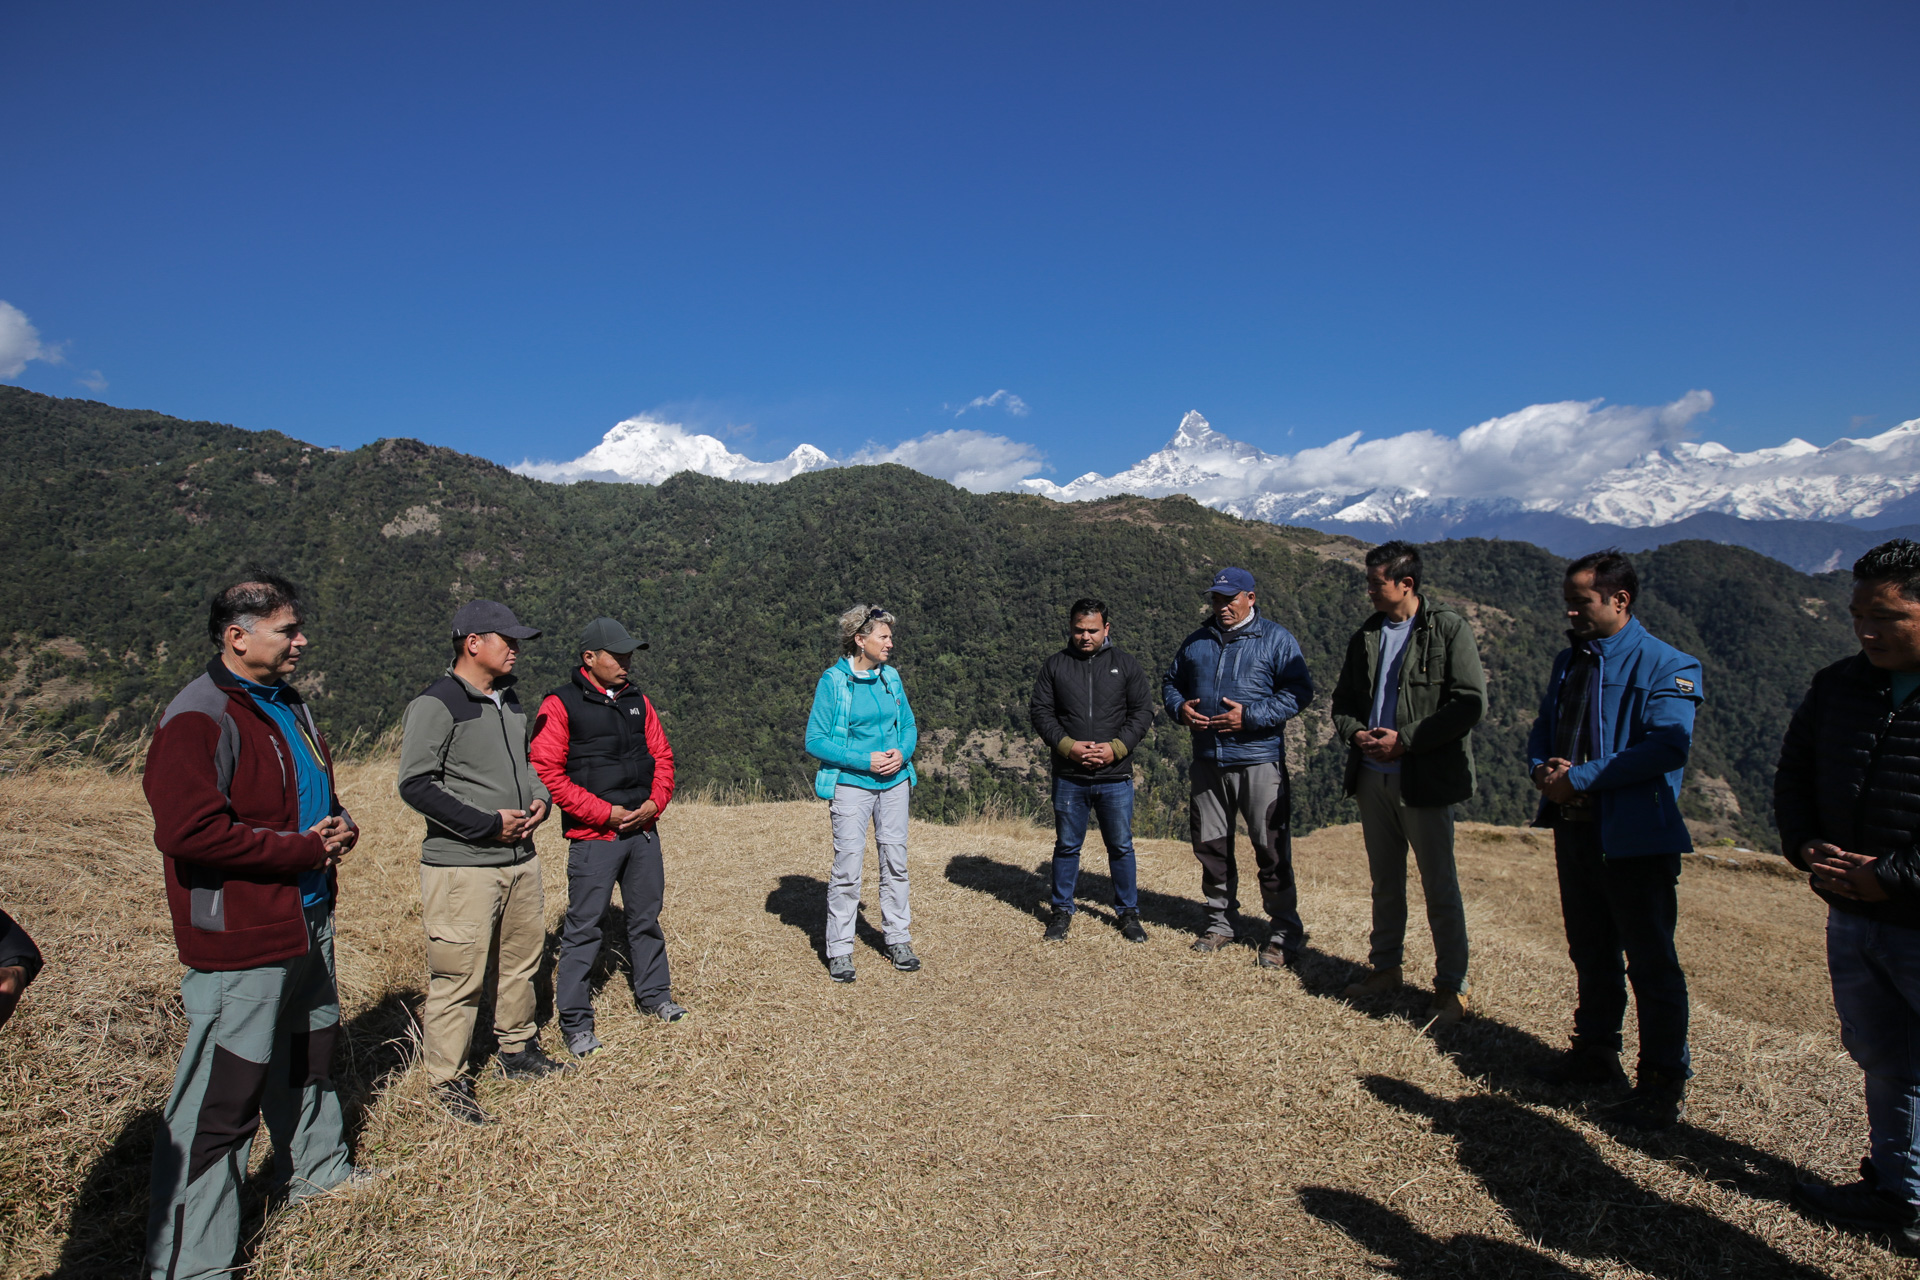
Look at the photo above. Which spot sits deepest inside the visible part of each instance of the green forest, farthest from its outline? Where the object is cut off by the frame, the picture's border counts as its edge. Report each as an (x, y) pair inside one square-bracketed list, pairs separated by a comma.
[(120, 524)]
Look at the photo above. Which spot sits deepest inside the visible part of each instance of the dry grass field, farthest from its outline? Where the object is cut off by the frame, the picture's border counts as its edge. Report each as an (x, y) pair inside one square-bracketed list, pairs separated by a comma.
[(1013, 1110)]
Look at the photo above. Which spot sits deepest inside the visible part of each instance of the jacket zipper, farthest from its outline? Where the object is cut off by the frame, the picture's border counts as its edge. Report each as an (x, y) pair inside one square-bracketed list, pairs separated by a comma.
[(519, 792)]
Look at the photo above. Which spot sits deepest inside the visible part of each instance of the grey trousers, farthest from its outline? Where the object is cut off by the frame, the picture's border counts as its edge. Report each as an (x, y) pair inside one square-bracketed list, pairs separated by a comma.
[(1390, 825), (258, 1041), (593, 868), (853, 809), (1259, 794)]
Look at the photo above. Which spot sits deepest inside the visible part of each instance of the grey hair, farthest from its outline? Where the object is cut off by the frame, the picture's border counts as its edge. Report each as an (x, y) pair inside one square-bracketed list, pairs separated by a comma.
[(246, 604), (859, 622)]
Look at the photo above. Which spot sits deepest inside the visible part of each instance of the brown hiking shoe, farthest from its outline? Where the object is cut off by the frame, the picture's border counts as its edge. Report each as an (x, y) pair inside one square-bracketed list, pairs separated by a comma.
[(1449, 1009), (1212, 942), (1378, 983), (1274, 956)]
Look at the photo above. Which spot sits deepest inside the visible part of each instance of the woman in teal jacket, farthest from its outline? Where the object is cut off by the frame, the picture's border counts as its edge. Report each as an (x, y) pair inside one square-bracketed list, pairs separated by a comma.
[(862, 733)]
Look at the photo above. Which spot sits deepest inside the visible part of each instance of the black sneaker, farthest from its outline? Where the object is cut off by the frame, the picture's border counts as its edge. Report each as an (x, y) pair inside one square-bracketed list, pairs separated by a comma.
[(531, 1063), (1057, 925), (1861, 1206), (1658, 1101), (1580, 1064), (1130, 927), (455, 1097)]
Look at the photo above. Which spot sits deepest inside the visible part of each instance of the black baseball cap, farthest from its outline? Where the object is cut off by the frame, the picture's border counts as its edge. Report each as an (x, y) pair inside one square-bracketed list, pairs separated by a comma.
[(477, 617), (605, 633)]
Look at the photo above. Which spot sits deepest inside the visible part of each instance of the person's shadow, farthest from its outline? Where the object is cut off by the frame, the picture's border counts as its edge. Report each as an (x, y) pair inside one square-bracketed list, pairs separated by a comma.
[(107, 1227), (1031, 891), (1416, 1254), (800, 902), (1559, 1190)]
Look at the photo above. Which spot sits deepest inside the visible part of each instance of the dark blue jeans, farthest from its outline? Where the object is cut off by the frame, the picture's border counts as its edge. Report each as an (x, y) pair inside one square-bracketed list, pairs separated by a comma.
[(1113, 802), (1876, 991), (1620, 915)]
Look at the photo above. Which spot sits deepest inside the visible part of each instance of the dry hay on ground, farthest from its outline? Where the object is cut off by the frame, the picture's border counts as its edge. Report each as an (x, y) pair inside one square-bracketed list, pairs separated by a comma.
[(1015, 1109)]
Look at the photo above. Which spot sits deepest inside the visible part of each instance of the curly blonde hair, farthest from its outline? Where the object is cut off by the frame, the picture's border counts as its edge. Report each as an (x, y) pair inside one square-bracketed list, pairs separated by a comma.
[(860, 621)]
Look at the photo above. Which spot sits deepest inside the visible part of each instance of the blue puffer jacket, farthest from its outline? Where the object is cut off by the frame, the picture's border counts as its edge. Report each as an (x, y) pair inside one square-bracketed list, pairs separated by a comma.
[(1642, 727), (1260, 666)]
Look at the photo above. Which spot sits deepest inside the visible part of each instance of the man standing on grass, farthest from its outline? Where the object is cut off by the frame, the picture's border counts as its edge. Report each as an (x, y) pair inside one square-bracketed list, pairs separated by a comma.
[(1409, 694), (1235, 683), (1092, 705), (1847, 802), (464, 766), (1608, 755), (244, 810), (599, 748)]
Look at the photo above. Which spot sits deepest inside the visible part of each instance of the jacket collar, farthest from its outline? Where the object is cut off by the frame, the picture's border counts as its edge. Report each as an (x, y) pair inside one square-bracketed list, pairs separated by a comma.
[(503, 686), (1253, 626), (1620, 645), (1072, 652), (1863, 671), (589, 687), (845, 666), (1422, 616), (223, 676)]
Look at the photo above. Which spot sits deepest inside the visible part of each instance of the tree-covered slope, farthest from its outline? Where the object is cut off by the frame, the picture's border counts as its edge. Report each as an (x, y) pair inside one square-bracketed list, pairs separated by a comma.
[(120, 524)]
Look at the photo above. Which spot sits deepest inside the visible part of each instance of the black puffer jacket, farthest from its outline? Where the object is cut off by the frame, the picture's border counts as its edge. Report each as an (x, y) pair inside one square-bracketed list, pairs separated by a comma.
[(1098, 697), (1850, 775)]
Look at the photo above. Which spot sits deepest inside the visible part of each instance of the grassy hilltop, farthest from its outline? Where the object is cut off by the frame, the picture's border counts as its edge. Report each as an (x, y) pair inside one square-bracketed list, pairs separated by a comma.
[(120, 523)]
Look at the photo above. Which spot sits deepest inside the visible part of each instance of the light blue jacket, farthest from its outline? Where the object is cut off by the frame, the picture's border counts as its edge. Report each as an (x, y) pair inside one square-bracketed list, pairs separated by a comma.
[(1641, 726), (827, 730), (1260, 666)]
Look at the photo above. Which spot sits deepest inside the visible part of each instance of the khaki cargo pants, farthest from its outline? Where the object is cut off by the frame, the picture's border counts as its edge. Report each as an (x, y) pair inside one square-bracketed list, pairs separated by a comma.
[(469, 914)]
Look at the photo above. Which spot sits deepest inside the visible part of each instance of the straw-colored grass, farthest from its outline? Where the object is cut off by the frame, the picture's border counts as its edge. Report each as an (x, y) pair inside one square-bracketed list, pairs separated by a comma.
[(1014, 1110)]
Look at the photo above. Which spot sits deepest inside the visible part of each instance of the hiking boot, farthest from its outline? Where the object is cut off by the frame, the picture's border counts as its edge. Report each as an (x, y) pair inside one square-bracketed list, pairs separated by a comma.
[(1130, 927), (455, 1097), (901, 953), (1057, 925), (665, 1010), (1275, 956), (1380, 982), (1580, 1064), (583, 1044), (530, 1063), (1209, 943), (1863, 1207), (1658, 1101), (359, 1178), (840, 968), (1449, 1009)]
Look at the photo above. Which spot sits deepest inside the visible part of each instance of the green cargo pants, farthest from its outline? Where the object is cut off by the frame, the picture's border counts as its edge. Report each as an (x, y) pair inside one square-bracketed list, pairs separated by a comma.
[(258, 1041)]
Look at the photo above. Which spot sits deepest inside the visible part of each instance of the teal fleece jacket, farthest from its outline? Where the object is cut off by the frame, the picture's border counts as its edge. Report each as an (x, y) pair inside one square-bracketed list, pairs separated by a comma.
[(855, 715)]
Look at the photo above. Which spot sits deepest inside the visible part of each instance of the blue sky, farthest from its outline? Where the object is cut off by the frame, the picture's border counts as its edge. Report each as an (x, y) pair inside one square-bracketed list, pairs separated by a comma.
[(505, 228)]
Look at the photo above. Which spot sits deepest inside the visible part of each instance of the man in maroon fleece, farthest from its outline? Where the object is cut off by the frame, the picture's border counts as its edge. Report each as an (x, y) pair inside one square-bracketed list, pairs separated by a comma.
[(241, 786)]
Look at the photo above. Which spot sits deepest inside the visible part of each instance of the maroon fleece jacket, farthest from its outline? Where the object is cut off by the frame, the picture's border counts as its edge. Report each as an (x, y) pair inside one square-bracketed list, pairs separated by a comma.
[(226, 810)]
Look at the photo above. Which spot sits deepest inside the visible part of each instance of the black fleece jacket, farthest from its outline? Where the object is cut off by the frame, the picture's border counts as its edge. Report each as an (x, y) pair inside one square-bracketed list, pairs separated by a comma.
[(1099, 697), (1850, 775)]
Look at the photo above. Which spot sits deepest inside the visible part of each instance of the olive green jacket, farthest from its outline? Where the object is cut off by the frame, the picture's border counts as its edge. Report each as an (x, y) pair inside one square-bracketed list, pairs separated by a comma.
[(1443, 694)]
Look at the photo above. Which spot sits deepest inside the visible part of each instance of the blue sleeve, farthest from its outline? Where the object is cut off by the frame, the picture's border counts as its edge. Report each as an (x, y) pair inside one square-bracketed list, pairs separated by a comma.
[(820, 743), (1540, 741), (1292, 687), (1667, 742), (910, 732), (1170, 696)]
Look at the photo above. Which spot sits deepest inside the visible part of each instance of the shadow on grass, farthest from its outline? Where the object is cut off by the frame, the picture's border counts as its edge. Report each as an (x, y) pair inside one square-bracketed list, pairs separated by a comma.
[(107, 1228), (1560, 1191), (800, 902), (1416, 1254), (1031, 891)]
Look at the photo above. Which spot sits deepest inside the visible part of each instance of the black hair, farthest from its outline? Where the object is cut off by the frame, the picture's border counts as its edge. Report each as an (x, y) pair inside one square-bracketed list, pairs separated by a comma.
[(1897, 562), (259, 595), (1086, 605), (1402, 560), (1612, 572)]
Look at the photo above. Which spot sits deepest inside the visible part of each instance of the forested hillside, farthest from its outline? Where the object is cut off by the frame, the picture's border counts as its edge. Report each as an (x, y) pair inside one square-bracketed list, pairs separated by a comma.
[(118, 525)]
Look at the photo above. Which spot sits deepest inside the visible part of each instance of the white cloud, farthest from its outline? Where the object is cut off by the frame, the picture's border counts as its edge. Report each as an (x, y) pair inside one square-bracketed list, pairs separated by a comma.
[(94, 381), (20, 342), (1001, 399), (974, 460)]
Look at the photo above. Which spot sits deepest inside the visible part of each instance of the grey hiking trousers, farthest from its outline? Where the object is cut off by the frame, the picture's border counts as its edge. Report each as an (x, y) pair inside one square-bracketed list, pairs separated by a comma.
[(852, 809), (593, 868), (258, 1041), (1259, 794), (1389, 825)]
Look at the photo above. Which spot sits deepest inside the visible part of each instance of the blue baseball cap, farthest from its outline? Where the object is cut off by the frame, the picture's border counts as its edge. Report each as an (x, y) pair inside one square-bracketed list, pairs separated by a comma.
[(1231, 582)]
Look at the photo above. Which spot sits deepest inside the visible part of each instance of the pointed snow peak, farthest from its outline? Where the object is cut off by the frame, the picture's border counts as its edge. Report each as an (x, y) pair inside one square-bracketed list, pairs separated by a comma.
[(1194, 433)]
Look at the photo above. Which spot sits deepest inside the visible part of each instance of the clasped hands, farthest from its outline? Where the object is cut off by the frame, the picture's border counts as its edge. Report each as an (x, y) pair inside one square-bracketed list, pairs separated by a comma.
[(627, 821), (517, 824), (338, 835), (1380, 745), (1550, 780), (886, 763), (1843, 874), (1232, 720), (1094, 755)]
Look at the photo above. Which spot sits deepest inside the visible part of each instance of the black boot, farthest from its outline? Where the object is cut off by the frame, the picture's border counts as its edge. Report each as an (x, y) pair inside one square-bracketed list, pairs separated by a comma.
[(1057, 925), (1580, 1064), (1658, 1101)]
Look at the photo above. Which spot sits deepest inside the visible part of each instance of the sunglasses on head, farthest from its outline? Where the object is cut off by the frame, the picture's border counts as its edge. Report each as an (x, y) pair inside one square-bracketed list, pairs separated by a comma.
[(876, 612)]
